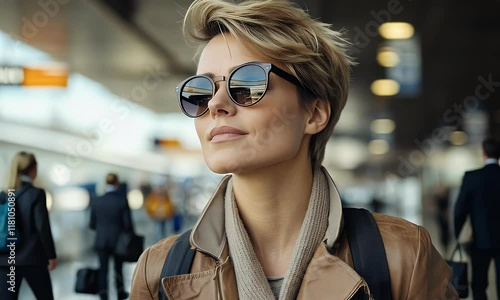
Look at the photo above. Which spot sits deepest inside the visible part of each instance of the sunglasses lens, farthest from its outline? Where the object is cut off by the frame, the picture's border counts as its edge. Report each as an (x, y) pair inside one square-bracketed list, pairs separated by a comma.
[(195, 95), (248, 84)]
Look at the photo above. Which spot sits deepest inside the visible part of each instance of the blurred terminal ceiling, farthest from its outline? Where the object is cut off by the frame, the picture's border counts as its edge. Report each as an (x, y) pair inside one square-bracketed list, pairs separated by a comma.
[(121, 42)]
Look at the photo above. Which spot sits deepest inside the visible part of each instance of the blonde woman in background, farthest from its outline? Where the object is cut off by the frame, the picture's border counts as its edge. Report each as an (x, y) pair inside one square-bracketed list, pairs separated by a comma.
[(271, 84), (35, 253)]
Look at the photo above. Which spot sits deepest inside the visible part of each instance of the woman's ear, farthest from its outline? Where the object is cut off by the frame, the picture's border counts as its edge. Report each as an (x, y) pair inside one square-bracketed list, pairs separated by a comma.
[(318, 118)]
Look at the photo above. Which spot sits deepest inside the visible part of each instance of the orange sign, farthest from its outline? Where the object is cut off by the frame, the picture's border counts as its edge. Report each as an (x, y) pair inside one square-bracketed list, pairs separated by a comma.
[(34, 76), (168, 143), (55, 77)]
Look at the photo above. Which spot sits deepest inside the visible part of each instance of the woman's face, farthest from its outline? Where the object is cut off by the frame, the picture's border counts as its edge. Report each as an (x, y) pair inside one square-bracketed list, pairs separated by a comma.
[(239, 139)]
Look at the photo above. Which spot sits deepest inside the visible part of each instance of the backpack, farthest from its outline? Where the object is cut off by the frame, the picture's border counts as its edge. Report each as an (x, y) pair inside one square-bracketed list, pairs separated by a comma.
[(365, 241), (9, 228)]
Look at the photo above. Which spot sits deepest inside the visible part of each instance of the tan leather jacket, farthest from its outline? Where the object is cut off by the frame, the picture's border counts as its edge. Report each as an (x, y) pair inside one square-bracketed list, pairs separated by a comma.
[(416, 269)]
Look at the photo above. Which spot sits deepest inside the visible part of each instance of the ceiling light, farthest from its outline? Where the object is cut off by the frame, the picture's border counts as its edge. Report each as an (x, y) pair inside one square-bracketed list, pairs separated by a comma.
[(346, 153), (71, 199), (386, 57), (60, 174), (385, 87), (135, 199), (383, 126), (378, 147), (48, 200), (396, 30), (458, 138)]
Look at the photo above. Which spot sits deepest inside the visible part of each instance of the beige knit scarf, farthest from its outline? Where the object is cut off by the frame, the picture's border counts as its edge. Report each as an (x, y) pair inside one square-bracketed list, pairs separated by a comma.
[(250, 277)]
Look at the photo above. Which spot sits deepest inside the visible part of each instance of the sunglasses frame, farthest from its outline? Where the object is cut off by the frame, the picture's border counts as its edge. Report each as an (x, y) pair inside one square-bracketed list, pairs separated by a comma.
[(267, 67)]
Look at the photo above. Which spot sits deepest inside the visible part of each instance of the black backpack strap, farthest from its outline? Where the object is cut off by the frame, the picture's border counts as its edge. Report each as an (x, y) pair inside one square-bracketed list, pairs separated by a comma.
[(368, 252), (179, 260)]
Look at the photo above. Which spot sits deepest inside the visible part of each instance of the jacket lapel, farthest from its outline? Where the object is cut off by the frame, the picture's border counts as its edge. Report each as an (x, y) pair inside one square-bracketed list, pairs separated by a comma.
[(209, 235), (328, 277), (218, 283)]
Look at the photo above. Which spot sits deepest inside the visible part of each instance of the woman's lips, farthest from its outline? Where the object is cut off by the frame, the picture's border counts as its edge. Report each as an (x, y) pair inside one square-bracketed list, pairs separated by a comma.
[(225, 133)]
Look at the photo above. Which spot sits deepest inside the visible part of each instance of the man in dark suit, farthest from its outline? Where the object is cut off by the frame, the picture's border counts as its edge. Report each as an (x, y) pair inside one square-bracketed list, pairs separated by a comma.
[(110, 215), (479, 198)]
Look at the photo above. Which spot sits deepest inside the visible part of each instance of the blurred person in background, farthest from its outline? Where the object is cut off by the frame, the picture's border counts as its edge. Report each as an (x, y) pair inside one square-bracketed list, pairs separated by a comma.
[(271, 85), (479, 199), (160, 208), (109, 216), (35, 256), (442, 201)]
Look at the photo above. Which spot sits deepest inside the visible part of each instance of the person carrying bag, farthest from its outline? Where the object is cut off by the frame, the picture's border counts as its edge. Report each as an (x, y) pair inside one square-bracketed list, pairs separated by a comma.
[(110, 217)]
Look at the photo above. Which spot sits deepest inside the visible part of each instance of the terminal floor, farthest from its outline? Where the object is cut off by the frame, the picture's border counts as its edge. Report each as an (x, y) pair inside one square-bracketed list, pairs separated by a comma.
[(63, 277)]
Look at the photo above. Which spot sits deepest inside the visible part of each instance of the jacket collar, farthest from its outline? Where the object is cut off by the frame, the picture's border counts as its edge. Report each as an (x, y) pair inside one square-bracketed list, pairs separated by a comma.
[(491, 161), (209, 236), (110, 188), (26, 179)]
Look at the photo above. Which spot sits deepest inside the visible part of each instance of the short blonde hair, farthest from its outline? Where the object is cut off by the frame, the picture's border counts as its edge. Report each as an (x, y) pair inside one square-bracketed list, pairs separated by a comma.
[(280, 31), (22, 163)]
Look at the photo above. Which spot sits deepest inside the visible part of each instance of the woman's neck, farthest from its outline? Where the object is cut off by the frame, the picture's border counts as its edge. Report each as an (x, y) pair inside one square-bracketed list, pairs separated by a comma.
[(272, 204)]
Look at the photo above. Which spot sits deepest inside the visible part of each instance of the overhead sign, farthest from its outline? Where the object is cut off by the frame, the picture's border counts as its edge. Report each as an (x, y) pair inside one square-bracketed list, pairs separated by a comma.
[(34, 76), (167, 143), (11, 76)]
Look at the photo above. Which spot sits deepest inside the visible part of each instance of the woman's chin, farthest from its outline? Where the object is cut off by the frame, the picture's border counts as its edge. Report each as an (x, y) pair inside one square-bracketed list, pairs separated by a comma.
[(225, 166)]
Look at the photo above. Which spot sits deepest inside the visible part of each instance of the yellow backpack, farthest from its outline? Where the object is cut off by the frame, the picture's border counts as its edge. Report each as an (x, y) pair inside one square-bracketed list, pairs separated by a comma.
[(159, 207)]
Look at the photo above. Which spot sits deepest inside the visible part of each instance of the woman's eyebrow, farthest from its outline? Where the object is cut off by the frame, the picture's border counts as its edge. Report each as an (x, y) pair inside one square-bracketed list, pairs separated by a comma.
[(209, 74), (212, 75)]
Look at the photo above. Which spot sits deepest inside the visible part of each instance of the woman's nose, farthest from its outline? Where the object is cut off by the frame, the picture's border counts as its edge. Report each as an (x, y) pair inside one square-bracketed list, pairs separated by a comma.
[(221, 103)]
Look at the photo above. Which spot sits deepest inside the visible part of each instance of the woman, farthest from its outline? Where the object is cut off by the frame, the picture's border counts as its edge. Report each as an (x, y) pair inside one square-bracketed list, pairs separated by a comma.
[(34, 256), (270, 88)]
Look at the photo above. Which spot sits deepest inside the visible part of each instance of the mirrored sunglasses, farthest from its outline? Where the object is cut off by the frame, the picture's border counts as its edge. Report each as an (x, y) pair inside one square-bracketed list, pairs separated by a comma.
[(246, 85)]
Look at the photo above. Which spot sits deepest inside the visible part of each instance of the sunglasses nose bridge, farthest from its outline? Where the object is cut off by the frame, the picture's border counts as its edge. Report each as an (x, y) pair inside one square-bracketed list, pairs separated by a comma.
[(219, 79), (221, 102), (216, 80)]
